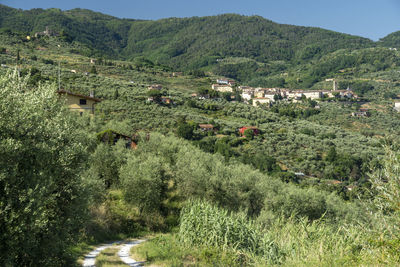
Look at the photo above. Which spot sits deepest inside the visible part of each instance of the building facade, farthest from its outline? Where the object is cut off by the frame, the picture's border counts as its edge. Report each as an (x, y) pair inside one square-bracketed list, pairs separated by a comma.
[(79, 103)]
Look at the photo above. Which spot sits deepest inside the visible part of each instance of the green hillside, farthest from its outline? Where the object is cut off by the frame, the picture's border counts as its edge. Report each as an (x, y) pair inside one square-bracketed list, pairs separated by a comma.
[(198, 42), (391, 40), (317, 184), (184, 42)]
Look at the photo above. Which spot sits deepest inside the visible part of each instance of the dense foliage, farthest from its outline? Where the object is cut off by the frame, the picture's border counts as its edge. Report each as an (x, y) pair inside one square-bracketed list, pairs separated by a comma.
[(42, 195)]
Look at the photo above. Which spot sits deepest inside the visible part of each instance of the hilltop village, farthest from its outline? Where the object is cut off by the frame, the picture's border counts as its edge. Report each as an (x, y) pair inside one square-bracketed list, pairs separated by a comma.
[(259, 96)]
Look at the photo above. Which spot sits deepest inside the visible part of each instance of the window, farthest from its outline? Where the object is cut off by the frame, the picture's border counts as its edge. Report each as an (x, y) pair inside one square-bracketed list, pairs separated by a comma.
[(82, 101)]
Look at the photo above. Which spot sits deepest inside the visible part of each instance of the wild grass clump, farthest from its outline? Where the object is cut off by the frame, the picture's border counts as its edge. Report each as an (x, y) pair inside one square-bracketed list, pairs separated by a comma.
[(203, 224), (109, 258), (167, 250)]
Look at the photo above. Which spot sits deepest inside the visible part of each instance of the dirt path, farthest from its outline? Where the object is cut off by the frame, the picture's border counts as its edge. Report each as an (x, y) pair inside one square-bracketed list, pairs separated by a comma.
[(90, 259), (123, 253)]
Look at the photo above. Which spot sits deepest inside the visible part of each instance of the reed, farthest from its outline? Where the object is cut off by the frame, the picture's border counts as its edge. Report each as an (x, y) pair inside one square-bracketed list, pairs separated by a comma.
[(203, 224)]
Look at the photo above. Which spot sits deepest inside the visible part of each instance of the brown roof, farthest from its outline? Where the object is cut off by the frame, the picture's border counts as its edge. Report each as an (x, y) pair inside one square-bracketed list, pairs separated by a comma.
[(334, 182), (79, 95), (210, 126)]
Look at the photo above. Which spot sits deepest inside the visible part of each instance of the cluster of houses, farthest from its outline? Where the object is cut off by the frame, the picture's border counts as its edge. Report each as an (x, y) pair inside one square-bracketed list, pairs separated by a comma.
[(269, 95)]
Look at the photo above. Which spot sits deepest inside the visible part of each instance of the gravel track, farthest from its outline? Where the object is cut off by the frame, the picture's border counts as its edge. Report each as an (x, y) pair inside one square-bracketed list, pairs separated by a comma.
[(123, 253)]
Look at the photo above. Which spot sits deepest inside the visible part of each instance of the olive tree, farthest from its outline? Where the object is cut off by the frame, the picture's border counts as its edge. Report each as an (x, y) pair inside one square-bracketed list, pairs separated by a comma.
[(144, 182), (42, 197)]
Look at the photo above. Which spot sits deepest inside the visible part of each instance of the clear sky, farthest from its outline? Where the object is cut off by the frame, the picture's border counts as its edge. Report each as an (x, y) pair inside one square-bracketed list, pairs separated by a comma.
[(373, 19)]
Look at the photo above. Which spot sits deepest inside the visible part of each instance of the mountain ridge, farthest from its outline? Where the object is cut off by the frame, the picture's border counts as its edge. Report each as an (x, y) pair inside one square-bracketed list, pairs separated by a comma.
[(183, 42)]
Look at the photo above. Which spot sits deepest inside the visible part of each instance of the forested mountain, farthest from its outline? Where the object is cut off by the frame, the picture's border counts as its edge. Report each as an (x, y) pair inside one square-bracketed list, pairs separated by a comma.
[(184, 42), (98, 31), (200, 41), (391, 40)]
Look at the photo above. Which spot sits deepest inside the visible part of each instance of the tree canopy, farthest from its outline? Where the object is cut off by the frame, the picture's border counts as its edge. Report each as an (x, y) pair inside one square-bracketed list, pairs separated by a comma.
[(42, 195)]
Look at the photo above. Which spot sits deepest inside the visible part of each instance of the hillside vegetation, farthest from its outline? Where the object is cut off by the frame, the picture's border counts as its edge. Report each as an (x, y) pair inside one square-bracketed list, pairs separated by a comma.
[(187, 42), (313, 186)]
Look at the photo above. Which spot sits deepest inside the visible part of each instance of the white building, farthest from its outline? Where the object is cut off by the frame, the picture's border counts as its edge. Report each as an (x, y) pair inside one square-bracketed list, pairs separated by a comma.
[(313, 94), (261, 100), (226, 82), (222, 88), (270, 96), (244, 88), (247, 95), (294, 94), (397, 106)]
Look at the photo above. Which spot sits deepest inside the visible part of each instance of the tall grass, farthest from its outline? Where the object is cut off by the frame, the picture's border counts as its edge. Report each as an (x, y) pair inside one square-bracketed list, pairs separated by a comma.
[(289, 241), (203, 224), (319, 243)]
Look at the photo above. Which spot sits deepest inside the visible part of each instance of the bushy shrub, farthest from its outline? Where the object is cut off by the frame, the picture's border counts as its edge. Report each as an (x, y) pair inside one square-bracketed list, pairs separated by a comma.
[(143, 180)]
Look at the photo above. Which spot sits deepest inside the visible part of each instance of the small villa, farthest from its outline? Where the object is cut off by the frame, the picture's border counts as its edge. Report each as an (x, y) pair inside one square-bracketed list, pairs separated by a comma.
[(206, 127), (79, 103), (155, 87), (253, 128)]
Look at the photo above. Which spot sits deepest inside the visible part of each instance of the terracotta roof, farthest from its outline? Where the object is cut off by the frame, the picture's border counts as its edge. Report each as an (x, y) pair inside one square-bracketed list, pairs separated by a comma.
[(79, 95), (250, 127)]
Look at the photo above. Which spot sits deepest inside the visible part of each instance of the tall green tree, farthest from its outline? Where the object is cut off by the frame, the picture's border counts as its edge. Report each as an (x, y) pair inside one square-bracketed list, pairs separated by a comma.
[(185, 130), (42, 195)]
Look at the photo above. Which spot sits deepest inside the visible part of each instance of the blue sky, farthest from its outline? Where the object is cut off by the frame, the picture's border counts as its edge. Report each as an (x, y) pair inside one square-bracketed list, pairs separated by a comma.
[(373, 19)]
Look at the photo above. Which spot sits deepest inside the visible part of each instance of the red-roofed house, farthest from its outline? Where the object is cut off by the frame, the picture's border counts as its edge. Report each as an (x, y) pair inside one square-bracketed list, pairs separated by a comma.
[(253, 128)]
